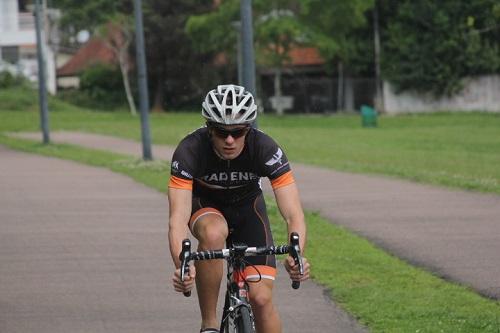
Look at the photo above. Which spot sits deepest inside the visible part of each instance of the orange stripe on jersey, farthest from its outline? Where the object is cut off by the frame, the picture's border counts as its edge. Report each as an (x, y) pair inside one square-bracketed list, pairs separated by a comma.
[(254, 273), (181, 183), (284, 179)]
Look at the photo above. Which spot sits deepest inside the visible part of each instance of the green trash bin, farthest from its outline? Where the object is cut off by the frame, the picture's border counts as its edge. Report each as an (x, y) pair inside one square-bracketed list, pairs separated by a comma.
[(368, 116)]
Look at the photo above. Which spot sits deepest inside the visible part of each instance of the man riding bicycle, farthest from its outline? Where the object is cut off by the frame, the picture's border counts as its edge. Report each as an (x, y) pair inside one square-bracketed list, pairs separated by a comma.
[(215, 191)]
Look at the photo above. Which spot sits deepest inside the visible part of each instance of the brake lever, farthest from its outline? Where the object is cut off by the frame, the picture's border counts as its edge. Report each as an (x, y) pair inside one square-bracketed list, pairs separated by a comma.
[(295, 252), (184, 257)]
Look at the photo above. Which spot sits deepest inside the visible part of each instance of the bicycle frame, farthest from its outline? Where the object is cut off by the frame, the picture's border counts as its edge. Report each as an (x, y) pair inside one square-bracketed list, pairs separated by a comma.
[(236, 292)]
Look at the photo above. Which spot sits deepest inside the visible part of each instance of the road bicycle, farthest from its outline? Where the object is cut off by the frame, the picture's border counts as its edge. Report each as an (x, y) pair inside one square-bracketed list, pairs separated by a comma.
[(237, 315)]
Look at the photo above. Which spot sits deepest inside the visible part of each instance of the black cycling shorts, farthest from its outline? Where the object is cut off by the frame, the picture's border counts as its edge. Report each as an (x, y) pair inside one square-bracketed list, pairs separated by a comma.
[(247, 223)]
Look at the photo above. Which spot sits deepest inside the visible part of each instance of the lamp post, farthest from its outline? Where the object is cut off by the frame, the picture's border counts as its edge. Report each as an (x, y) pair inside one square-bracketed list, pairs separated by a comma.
[(237, 27), (42, 84), (248, 61), (142, 81)]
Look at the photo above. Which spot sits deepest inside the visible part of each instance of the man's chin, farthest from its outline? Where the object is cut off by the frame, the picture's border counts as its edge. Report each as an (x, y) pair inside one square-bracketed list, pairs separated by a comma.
[(229, 156)]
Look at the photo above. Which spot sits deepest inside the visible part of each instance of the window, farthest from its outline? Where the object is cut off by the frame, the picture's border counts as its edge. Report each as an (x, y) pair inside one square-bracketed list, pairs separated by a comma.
[(10, 54), (23, 5)]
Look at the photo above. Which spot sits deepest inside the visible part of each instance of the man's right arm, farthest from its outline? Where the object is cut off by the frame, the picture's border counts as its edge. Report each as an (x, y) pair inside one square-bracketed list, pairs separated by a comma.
[(179, 214)]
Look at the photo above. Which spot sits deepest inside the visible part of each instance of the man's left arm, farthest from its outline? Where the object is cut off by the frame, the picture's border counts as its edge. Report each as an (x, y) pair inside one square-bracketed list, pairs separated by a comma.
[(288, 200)]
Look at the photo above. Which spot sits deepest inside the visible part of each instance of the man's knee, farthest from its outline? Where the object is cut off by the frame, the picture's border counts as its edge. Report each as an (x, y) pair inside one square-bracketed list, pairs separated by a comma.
[(211, 232), (262, 297)]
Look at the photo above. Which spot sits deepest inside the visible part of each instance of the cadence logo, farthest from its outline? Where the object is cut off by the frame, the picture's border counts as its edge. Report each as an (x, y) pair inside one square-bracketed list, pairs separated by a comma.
[(276, 158), (233, 176)]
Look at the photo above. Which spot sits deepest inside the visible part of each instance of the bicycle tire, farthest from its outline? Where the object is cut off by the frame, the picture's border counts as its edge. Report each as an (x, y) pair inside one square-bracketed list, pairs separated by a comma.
[(245, 322)]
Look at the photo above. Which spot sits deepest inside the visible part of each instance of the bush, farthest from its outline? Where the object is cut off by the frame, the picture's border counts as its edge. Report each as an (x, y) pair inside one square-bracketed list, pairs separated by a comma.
[(101, 87), (18, 99), (7, 80)]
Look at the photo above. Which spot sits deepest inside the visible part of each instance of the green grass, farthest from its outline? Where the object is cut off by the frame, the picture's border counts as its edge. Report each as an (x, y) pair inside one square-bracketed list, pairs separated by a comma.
[(460, 150), (383, 292)]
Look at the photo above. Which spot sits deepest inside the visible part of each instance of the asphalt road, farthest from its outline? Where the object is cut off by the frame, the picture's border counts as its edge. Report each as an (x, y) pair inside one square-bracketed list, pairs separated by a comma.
[(83, 249)]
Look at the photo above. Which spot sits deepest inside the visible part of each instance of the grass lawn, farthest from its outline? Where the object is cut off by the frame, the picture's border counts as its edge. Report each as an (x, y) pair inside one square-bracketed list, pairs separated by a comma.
[(381, 291), (460, 150)]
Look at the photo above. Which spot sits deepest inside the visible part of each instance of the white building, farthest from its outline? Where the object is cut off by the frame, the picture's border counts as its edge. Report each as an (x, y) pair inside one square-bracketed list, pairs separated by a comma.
[(18, 43)]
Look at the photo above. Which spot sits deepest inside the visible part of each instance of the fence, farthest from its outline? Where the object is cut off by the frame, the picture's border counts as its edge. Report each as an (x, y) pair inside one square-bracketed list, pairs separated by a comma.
[(319, 94), (478, 94)]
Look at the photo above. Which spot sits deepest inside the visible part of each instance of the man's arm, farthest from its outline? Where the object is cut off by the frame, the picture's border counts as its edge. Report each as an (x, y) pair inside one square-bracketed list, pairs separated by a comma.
[(179, 214), (288, 200)]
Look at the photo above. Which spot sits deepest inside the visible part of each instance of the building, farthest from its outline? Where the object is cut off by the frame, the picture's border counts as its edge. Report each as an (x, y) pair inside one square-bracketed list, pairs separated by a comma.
[(95, 51), (311, 88), (18, 52)]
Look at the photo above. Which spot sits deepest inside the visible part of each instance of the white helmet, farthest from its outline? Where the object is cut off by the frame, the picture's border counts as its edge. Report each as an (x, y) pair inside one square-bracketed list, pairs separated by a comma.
[(229, 104)]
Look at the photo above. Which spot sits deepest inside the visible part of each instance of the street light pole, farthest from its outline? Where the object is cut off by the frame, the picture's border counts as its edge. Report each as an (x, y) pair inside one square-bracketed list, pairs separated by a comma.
[(42, 85), (237, 27), (248, 65), (379, 99), (142, 81)]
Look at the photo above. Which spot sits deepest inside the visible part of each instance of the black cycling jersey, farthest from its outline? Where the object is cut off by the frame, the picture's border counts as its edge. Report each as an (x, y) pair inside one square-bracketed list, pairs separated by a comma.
[(228, 181)]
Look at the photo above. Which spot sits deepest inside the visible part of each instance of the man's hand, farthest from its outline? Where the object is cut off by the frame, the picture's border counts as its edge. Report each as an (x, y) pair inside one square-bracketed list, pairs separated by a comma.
[(188, 283), (293, 269)]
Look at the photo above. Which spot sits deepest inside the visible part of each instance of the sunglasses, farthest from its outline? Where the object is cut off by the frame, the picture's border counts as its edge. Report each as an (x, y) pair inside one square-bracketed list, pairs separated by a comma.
[(223, 133)]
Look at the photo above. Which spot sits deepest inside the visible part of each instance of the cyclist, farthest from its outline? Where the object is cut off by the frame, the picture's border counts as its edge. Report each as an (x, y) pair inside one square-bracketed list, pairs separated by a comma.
[(214, 190)]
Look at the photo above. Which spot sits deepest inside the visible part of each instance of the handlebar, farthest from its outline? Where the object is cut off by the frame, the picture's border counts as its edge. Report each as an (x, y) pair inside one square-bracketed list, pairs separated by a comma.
[(293, 249), (184, 257), (295, 253)]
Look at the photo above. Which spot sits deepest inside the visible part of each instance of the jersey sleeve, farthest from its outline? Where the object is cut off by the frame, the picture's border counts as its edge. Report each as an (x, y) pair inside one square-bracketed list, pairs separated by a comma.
[(273, 162), (183, 165)]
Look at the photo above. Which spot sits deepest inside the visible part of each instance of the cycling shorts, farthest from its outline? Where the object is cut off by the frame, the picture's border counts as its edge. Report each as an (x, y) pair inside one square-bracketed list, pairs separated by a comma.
[(247, 223)]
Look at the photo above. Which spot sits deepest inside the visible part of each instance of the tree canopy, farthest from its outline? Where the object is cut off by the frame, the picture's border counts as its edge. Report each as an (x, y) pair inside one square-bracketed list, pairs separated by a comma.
[(431, 46), (427, 46)]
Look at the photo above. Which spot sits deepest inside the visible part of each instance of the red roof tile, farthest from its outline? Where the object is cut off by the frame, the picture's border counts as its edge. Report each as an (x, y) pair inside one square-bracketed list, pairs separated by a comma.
[(94, 51), (304, 56)]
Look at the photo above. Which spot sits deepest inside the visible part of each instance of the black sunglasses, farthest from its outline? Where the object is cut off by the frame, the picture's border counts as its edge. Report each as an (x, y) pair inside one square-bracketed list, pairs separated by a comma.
[(223, 133)]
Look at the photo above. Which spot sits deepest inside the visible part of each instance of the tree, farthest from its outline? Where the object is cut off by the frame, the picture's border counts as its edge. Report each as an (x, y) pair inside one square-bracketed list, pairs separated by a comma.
[(431, 46), (331, 28), (118, 35), (176, 69), (110, 20), (277, 30), (174, 66)]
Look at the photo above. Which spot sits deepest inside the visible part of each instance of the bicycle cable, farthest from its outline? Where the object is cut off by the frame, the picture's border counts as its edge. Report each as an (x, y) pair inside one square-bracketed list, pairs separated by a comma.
[(249, 264)]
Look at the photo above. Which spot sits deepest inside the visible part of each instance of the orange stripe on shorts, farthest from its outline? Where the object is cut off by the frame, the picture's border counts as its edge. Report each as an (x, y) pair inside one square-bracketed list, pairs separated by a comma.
[(201, 212), (256, 272)]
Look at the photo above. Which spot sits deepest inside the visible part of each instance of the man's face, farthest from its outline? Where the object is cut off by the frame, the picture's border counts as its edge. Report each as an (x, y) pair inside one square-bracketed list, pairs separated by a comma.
[(228, 140)]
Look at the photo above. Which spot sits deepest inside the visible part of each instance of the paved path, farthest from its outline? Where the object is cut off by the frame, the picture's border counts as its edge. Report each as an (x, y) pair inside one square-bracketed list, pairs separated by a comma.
[(455, 234), (83, 249)]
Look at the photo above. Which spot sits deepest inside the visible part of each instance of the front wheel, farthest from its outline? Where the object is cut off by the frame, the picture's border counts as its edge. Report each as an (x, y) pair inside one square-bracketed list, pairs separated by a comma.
[(245, 323)]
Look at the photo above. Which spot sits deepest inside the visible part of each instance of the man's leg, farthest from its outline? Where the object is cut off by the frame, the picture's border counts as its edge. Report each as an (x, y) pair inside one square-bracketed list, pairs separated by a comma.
[(211, 231), (267, 319)]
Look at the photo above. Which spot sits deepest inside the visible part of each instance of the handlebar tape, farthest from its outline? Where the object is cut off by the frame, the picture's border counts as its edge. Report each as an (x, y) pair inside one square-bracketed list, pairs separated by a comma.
[(184, 256)]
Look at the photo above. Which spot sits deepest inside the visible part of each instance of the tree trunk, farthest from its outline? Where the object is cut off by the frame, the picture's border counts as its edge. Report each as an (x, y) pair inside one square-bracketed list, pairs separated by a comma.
[(158, 99), (278, 92), (340, 87), (126, 84)]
